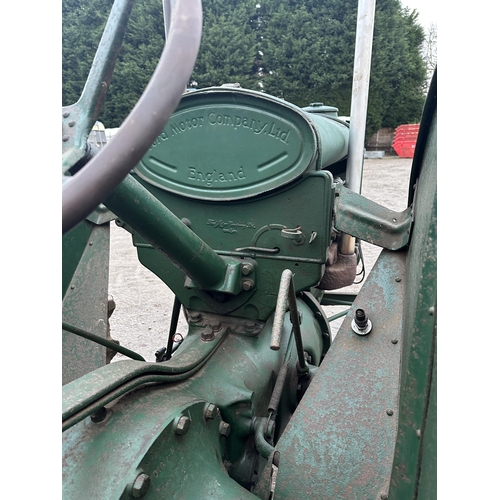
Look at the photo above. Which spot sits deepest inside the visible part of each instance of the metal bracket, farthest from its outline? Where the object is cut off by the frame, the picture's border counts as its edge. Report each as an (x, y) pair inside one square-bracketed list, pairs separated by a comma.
[(364, 219)]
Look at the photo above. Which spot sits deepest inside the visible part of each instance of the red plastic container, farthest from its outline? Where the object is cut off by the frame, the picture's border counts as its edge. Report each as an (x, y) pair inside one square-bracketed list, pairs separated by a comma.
[(405, 138)]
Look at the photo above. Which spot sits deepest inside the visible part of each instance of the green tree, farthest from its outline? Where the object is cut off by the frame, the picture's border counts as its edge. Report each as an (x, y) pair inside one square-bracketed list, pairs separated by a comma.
[(299, 50), (83, 24), (228, 45)]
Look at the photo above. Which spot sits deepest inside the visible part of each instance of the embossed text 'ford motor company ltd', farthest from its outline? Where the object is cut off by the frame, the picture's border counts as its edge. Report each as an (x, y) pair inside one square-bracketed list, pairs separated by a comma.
[(259, 127)]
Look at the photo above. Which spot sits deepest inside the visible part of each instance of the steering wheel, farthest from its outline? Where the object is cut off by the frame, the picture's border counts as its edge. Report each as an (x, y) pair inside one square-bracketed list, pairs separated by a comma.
[(93, 183)]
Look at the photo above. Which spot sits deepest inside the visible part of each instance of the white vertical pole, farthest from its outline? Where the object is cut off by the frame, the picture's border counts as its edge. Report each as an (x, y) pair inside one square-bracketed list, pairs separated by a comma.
[(359, 103)]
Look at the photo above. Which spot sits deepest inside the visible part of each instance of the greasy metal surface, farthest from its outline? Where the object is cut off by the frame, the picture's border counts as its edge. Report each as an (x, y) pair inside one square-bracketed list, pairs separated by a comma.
[(340, 442), (91, 185), (362, 218), (85, 303), (248, 143)]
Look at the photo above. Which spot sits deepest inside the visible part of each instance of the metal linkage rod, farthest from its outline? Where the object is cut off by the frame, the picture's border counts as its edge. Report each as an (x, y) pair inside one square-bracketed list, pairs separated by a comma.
[(287, 290), (173, 327)]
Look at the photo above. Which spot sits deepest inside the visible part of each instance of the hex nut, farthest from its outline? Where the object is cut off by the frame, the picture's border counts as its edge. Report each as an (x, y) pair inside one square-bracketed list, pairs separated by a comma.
[(247, 285), (224, 429), (211, 412), (182, 425), (141, 485), (246, 269)]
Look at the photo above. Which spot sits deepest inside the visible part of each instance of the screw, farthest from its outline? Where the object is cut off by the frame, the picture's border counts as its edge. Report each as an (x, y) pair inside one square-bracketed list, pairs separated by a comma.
[(182, 425), (211, 412), (390, 413), (224, 429), (247, 285), (141, 485), (246, 269)]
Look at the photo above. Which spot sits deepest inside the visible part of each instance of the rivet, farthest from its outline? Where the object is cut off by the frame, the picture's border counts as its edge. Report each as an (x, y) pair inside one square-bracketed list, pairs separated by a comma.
[(66, 114), (390, 413), (431, 311), (72, 287), (65, 138), (398, 280), (72, 123), (91, 243), (394, 341), (418, 433), (384, 496)]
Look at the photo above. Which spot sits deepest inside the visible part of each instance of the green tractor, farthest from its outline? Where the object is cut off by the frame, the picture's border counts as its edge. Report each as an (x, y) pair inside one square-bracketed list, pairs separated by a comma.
[(248, 208)]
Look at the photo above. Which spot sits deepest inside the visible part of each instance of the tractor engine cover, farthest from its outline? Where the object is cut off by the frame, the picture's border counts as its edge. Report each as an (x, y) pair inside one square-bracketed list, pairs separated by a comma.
[(226, 144)]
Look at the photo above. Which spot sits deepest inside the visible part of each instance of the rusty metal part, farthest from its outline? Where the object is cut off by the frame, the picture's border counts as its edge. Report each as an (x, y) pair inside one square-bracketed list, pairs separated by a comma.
[(340, 269), (342, 416), (91, 185)]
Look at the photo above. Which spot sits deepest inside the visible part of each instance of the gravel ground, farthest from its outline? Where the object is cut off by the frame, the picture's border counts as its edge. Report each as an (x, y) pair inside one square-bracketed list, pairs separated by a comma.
[(143, 302)]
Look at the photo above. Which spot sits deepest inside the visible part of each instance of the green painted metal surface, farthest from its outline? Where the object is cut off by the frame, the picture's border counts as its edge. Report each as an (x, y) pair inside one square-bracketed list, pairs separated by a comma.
[(234, 229), (85, 297), (138, 434), (340, 442), (414, 474), (248, 143), (369, 221)]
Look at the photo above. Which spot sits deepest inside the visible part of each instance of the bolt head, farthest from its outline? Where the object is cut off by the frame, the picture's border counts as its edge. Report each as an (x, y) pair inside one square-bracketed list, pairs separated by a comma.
[(246, 269), (141, 485), (211, 412), (183, 425), (224, 429), (247, 285)]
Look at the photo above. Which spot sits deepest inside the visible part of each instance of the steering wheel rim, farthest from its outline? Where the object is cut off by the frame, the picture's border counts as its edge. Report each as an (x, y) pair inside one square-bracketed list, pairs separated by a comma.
[(91, 185)]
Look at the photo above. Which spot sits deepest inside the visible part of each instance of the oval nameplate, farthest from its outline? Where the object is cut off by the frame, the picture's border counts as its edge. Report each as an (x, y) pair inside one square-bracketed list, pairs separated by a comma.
[(225, 144)]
